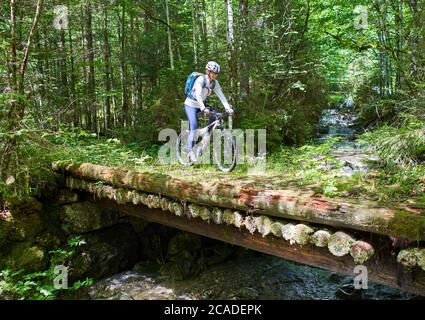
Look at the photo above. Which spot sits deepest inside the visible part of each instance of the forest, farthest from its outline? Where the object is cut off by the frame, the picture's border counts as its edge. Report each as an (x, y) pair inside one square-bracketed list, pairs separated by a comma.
[(97, 80)]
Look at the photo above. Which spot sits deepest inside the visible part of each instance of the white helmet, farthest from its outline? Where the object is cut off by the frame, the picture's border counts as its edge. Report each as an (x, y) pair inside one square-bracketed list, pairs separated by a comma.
[(213, 66)]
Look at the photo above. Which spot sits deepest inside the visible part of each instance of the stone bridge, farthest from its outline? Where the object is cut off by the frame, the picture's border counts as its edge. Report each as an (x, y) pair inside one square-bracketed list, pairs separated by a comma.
[(297, 225)]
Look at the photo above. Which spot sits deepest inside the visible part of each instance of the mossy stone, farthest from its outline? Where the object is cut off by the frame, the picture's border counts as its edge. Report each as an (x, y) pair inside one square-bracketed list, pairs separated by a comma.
[(86, 216), (26, 227), (25, 255), (28, 206)]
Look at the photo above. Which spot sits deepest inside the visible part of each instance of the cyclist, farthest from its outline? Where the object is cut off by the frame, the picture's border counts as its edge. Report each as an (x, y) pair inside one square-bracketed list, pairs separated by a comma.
[(202, 88)]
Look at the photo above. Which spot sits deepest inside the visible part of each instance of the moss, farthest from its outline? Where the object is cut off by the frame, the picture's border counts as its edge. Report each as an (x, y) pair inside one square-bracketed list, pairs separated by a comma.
[(50, 240), (361, 251), (276, 229), (321, 238), (25, 255), (340, 244), (420, 255), (164, 203), (407, 225), (407, 257), (121, 195), (264, 225), (194, 210), (171, 206), (238, 219), (228, 217), (150, 201), (86, 216), (26, 227), (178, 209), (5, 229), (250, 224), (205, 213), (23, 206), (142, 198), (156, 202), (67, 196), (302, 234)]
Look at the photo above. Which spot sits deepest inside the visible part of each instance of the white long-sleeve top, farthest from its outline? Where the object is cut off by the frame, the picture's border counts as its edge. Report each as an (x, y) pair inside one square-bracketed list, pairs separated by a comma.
[(202, 92)]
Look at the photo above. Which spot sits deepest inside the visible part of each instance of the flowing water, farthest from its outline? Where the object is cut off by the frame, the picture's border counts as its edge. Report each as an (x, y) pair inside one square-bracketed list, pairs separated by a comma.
[(247, 275), (340, 121), (251, 275)]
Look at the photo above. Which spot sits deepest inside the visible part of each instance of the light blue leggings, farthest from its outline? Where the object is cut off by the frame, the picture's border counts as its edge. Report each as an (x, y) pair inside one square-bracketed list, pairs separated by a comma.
[(192, 116)]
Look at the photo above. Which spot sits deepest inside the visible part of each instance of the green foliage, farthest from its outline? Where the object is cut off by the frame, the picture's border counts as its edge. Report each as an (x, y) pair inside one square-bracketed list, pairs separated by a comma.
[(39, 285), (82, 146), (396, 183), (29, 171), (310, 164), (402, 145)]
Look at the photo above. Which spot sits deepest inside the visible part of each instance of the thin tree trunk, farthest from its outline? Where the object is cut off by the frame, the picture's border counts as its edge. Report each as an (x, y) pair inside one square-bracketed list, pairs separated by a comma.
[(73, 80), (123, 69), (231, 48), (194, 32), (243, 64), (204, 30), (107, 76), (170, 48), (63, 67), (91, 112), (214, 27)]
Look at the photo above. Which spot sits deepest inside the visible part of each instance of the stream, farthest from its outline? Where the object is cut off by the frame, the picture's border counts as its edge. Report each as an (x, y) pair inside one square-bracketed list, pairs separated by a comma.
[(247, 275), (251, 275)]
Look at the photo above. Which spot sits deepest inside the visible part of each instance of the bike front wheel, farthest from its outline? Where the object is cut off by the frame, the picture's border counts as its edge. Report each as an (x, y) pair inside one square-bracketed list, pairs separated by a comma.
[(225, 153)]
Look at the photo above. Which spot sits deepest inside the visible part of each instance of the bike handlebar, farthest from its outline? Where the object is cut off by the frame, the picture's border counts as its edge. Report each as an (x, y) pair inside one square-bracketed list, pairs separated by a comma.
[(218, 115)]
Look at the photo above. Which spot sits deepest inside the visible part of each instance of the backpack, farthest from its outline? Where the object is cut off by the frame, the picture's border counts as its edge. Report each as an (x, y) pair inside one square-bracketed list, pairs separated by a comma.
[(188, 88)]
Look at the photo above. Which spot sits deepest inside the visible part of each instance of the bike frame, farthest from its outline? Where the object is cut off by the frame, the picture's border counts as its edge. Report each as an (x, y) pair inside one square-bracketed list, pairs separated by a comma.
[(205, 133)]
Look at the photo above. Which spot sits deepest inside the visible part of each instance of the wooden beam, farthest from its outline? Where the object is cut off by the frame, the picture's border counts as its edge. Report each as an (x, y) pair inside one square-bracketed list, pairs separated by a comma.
[(303, 205), (382, 269)]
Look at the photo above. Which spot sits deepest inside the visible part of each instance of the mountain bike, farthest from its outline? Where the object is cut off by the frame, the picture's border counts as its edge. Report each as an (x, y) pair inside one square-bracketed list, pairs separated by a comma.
[(224, 150)]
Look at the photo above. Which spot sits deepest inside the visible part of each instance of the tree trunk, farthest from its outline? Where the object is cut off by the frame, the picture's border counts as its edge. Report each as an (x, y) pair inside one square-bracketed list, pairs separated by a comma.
[(195, 32), (123, 69), (232, 52), (170, 47), (107, 76), (73, 80), (204, 31), (243, 63), (91, 85), (303, 205), (214, 26), (63, 73)]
